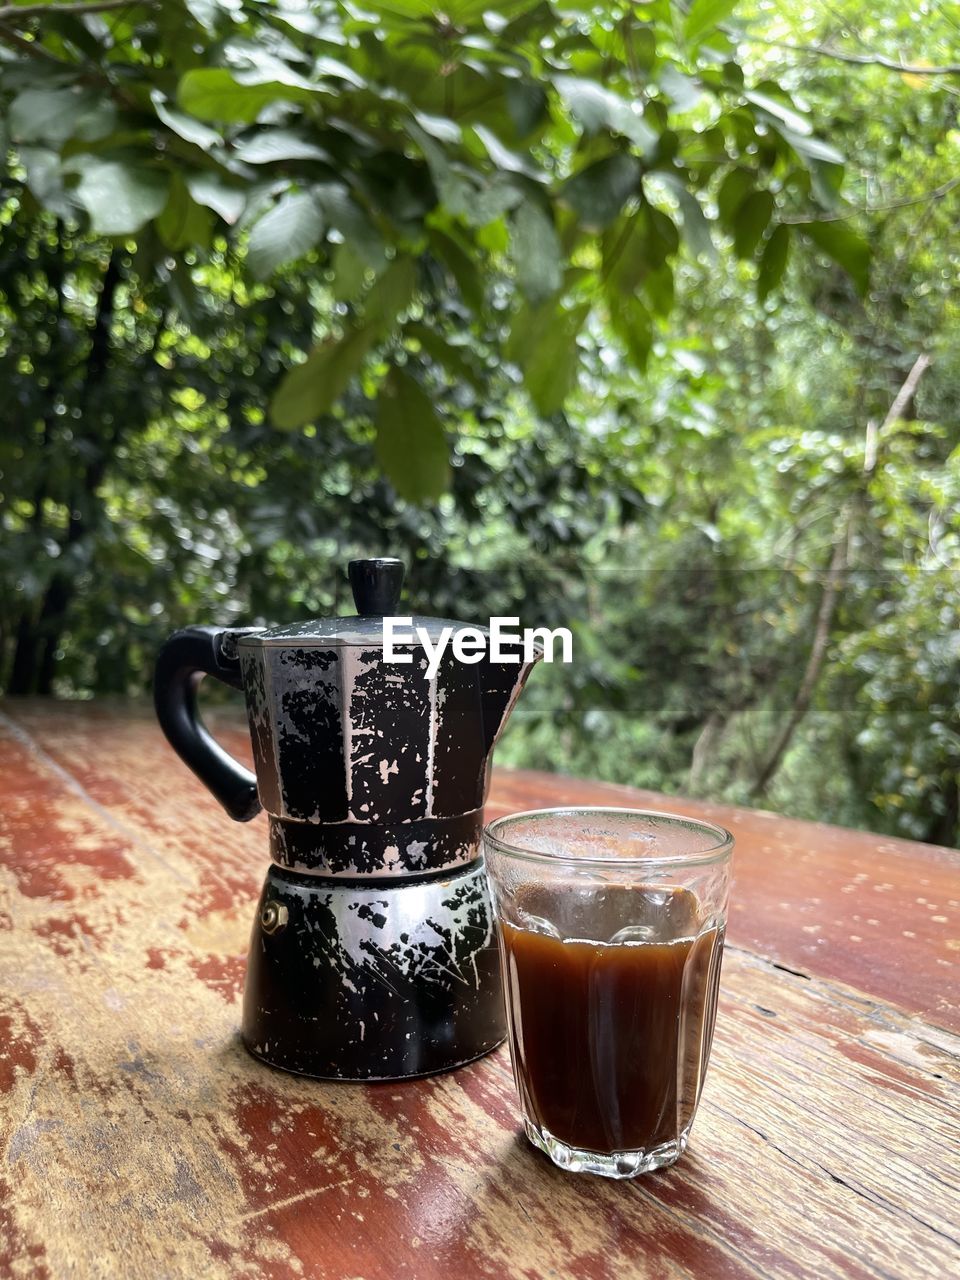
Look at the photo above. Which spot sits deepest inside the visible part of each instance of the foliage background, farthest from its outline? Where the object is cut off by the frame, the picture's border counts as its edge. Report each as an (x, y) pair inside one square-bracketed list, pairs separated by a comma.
[(636, 316)]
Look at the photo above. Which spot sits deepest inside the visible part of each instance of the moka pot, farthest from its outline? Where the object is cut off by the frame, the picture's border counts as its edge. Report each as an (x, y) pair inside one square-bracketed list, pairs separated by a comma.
[(373, 954)]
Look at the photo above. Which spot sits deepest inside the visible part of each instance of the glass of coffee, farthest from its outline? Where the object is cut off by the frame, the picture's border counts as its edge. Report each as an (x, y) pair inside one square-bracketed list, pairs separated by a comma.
[(611, 936)]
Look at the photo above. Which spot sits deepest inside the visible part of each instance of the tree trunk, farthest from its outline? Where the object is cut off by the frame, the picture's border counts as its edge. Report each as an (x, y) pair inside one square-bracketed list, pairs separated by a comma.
[(55, 604), (23, 668), (38, 634), (818, 650), (945, 827), (702, 748)]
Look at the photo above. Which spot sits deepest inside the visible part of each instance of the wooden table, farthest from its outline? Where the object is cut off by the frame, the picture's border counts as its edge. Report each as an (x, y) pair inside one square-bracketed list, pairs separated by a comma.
[(140, 1140)]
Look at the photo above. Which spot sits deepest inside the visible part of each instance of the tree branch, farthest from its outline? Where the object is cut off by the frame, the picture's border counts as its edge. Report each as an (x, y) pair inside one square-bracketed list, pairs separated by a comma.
[(704, 745), (32, 48), (811, 674), (928, 197), (906, 393), (831, 590), (861, 59), (14, 12)]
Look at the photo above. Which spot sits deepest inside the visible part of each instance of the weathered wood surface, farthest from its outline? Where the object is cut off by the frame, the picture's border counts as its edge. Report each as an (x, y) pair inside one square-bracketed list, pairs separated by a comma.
[(140, 1140)]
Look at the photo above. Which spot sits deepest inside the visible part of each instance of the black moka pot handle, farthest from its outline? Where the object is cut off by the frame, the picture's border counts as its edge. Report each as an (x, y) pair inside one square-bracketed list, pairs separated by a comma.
[(182, 663)]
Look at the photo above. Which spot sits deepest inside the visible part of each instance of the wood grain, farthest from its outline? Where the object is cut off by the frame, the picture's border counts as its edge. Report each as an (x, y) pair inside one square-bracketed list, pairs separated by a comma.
[(140, 1140)]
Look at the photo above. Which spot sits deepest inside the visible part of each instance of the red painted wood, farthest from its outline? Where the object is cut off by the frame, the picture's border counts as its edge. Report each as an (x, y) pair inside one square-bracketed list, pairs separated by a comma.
[(879, 913), (137, 1138)]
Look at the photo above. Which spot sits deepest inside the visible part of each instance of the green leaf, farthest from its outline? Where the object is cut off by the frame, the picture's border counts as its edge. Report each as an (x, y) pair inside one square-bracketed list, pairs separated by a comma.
[(455, 193), (206, 12), (826, 183), (268, 145), (255, 62), (684, 91), (311, 24), (750, 222), (310, 390), (455, 359), (634, 246), (341, 211), (633, 325), (773, 261), (324, 66), (658, 285), (664, 237), (811, 148), (597, 108), (212, 93), (350, 273), (45, 180), (704, 16), (54, 115), (494, 238), (625, 249), (644, 42), (411, 444), (392, 293), (598, 192), (495, 198), (543, 342), (536, 251), (846, 247), (184, 126), (119, 198), (785, 112), (502, 156), (461, 266), (733, 191), (527, 103), (184, 224), (287, 231), (696, 228), (439, 127), (210, 190), (457, 11)]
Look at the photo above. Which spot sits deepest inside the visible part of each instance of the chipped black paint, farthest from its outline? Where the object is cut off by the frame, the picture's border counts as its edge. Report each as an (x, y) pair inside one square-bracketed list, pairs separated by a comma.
[(371, 849), (308, 723), (459, 747), (261, 732), (342, 736), (369, 983), (390, 727)]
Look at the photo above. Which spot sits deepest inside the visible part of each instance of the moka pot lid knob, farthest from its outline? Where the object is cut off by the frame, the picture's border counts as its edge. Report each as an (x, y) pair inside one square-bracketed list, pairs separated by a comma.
[(376, 585)]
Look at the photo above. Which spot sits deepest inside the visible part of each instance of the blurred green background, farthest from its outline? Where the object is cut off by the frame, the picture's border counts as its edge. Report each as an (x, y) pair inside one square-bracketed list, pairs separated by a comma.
[(639, 318)]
